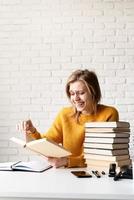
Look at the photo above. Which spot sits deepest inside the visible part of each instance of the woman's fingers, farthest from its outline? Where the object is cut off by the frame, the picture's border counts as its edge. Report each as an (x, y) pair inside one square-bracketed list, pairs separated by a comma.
[(57, 162), (24, 126), (27, 125)]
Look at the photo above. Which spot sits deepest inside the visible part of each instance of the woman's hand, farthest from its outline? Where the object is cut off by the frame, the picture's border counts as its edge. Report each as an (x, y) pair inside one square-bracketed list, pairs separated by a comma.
[(26, 127), (58, 162)]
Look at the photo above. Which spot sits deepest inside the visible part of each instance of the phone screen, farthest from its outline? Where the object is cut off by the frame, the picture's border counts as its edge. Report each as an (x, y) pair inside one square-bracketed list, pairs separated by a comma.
[(81, 174)]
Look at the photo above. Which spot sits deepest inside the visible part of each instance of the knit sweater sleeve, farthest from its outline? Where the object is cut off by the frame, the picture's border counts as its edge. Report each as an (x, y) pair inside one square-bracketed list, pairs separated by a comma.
[(113, 115), (57, 134), (54, 132)]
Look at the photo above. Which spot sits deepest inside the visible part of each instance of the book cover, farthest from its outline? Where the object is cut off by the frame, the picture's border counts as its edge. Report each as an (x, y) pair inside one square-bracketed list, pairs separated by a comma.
[(43, 147), (104, 163), (106, 140), (31, 166), (107, 130), (107, 135), (107, 151), (114, 124), (106, 157), (105, 146)]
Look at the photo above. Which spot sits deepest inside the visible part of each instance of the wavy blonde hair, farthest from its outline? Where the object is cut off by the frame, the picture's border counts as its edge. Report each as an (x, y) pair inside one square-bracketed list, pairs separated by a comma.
[(89, 78)]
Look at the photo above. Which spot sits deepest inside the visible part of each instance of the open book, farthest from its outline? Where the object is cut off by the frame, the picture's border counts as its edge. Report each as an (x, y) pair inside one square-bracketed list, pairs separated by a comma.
[(31, 166), (43, 147)]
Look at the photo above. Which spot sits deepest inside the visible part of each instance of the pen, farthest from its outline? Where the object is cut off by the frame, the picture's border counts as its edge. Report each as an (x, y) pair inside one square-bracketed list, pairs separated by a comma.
[(14, 164), (96, 173)]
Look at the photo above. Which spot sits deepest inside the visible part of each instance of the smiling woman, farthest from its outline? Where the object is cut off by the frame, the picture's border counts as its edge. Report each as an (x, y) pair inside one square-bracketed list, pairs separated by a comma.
[(80, 97), (84, 92)]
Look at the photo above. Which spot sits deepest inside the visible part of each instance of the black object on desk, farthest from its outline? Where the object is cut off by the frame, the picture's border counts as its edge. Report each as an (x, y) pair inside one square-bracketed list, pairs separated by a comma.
[(96, 173), (112, 170), (81, 174), (125, 173), (103, 173)]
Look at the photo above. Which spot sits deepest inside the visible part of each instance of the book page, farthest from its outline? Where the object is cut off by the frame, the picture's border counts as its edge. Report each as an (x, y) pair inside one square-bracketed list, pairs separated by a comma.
[(34, 166), (47, 148), (43, 147), (6, 166)]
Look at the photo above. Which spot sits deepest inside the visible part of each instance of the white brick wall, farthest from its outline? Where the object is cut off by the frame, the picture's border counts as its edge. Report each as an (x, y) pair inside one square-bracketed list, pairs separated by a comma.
[(43, 41)]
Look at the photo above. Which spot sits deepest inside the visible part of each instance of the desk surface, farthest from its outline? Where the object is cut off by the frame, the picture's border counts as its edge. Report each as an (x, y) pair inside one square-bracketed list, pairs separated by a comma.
[(61, 184)]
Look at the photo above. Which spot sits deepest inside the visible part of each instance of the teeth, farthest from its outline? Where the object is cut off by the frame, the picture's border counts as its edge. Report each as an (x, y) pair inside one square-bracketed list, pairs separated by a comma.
[(79, 104)]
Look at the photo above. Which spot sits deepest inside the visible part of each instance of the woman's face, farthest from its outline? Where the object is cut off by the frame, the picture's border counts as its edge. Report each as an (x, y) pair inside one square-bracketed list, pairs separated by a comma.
[(80, 97)]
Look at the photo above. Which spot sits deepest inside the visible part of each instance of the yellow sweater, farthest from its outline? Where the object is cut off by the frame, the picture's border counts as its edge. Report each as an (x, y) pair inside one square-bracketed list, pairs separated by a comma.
[(70, 134)]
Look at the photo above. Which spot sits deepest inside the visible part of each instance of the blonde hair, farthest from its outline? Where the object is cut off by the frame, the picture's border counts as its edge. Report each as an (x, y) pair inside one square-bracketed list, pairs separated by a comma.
[(89, 78)]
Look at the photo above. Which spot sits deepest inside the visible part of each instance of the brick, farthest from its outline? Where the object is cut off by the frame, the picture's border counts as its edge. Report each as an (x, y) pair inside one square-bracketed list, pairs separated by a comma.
[(42, 42)]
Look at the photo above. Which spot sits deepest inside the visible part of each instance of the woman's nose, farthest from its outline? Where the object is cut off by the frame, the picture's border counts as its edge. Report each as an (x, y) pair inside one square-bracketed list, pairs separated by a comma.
[(76, 96)]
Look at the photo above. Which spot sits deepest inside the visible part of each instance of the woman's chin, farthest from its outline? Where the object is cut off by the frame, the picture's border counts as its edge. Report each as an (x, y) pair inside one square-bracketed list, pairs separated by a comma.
[(79, 109)]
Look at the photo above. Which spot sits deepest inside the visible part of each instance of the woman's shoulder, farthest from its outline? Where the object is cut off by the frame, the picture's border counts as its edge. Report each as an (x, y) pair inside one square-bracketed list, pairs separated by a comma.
[(106, 107), (110, 111)]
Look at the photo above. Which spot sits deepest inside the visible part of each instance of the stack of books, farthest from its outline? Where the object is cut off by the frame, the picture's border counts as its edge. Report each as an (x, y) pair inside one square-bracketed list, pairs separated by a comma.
[(106, 143)]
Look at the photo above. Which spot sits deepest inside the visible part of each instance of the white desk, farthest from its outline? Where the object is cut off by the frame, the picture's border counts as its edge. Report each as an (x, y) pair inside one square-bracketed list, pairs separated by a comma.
[(60, 184)]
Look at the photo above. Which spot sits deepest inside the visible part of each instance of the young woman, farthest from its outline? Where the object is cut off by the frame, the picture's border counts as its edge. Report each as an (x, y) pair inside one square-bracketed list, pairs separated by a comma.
[(84, 92)]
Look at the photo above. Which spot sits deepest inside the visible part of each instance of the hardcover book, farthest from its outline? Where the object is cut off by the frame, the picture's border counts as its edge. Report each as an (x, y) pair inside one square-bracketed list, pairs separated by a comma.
[(105, 146), (107, 135), (119, 124), (107, 151), (106, 163), (107, 130), (106, 157), (43, 147), (106, 140)]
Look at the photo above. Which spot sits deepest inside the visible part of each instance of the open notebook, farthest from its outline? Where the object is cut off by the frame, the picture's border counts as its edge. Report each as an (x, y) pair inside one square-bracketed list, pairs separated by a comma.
[(31, 166)]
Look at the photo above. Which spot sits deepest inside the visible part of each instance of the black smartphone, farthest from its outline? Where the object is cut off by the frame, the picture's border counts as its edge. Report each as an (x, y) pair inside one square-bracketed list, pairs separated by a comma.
[(81, 174)]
